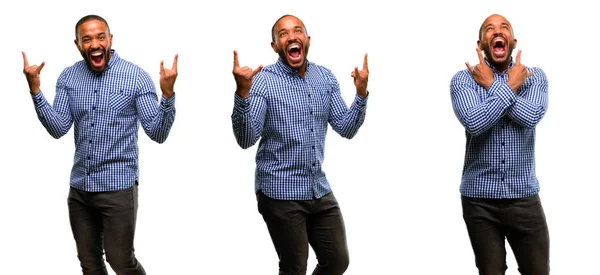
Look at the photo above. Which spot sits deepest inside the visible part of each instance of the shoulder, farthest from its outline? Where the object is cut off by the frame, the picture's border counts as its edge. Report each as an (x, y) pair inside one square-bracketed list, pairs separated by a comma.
[(461, 77), (537, 72)]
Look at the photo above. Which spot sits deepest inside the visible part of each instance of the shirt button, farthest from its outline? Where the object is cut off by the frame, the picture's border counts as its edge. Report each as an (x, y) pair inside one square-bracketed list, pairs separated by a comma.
[(89, 157), (90, 141), (502, 143), (87, 174), (94, 108), (314, 164), (308, 95), (312, 130), (313, 147), (502, 161), (311, 112), (92, 125), (502, 179)]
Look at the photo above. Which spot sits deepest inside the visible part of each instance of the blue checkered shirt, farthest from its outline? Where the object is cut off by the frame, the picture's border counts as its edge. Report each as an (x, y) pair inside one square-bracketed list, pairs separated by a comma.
[(290, 115), (106, 110), (500, 131)]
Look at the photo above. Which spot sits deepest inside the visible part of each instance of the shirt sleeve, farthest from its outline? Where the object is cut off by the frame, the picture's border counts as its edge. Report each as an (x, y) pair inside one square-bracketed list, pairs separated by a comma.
[(248, 117), (156, 117), (343, 120), (531, 101), (475, 110), (55, 118)]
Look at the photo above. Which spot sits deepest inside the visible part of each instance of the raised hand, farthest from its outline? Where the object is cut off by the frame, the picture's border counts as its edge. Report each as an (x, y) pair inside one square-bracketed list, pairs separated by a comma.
[(482, 74), (361, 78), (32, 73), (168, 77), (517, 74), (243, 76)]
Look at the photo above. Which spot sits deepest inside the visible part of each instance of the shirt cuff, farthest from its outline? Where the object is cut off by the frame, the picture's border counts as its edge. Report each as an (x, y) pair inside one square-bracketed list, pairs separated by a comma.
[(39, 99), (360, 102), (168, 103), (240, 104), (504, 92)]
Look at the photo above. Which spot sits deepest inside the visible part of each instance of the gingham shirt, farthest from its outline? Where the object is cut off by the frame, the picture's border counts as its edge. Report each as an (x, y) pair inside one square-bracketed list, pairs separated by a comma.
[(290, 115), (500, 130), (106, 109)]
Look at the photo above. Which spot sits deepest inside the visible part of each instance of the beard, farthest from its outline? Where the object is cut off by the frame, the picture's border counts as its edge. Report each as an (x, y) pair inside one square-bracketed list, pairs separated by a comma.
[(88, 59), (503, 63), (284, 57)]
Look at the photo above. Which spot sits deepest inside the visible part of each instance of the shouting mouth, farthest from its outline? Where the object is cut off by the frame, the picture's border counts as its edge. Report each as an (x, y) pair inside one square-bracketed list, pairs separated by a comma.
[(97, 59), (295, 53), (499, 47)]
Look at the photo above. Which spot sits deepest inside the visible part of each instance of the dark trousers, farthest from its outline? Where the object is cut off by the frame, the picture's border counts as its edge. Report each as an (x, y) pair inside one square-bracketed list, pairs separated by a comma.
[(105, 221), (293, 225), (521, 221)]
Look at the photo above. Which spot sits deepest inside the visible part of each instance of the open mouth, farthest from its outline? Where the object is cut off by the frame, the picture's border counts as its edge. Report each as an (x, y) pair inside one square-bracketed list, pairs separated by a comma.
[(499, 47), (294, 52), (97, 58)]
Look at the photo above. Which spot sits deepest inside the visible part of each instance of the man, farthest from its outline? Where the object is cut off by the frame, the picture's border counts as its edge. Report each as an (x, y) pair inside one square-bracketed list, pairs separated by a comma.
[(104, 96), (288, 105), (499, 102)]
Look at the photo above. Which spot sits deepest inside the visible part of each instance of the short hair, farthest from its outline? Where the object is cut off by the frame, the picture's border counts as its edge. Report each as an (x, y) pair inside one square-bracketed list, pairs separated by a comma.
[(273, 28), (481, 29), (89, 18)]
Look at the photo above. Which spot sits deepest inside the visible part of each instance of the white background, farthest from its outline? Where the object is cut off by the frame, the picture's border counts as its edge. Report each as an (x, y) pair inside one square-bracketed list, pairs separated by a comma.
[(396, 181)]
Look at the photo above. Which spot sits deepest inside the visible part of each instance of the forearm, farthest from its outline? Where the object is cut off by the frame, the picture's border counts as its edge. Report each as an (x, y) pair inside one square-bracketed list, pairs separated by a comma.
[(347, 122), (526, 113), (56, 124), (477, 115), (158, 126), (242, 123)]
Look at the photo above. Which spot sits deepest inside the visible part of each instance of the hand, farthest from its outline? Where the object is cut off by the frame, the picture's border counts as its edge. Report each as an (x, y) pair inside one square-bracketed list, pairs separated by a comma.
[(32, 73), (168, 77), (361, 78), (482, 74), (243, 76), (517, 74)]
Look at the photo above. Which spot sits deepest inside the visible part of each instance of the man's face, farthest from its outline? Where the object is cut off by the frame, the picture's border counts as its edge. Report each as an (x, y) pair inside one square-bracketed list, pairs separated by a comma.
[(291, 42), (94, 42), (497, 41)]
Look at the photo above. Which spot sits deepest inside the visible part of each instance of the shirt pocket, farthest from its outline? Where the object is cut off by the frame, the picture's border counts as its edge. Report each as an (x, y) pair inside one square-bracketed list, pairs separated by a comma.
[(122, 101), (322, 100)]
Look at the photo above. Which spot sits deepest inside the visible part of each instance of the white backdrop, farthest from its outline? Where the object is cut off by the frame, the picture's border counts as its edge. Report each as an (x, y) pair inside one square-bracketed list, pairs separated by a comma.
[(396, 181)]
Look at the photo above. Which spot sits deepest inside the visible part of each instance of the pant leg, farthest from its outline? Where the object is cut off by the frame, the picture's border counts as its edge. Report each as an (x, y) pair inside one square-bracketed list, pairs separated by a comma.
[(327, 236), (486, 233), (286, 221), (527, 234), (86, 224), (119, 213)]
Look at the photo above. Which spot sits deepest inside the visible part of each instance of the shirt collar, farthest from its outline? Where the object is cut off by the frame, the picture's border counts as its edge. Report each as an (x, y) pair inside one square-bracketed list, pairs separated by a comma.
[(114, 58), (280, 65), (510, 65)]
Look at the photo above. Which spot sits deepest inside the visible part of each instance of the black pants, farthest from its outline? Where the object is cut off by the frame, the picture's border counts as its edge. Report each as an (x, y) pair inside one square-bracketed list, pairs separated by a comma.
[(293, 225), (105, 221), (521, 221)]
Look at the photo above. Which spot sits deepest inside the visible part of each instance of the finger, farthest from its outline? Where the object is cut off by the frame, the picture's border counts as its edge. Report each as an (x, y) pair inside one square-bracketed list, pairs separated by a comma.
[(236, 64), (25, 63), (39, 69), (518, 61), (469, 67), (162, 66), (366, 64), (481, 61), (174, 67), (256, 70), (529, 74), (356, 72)]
